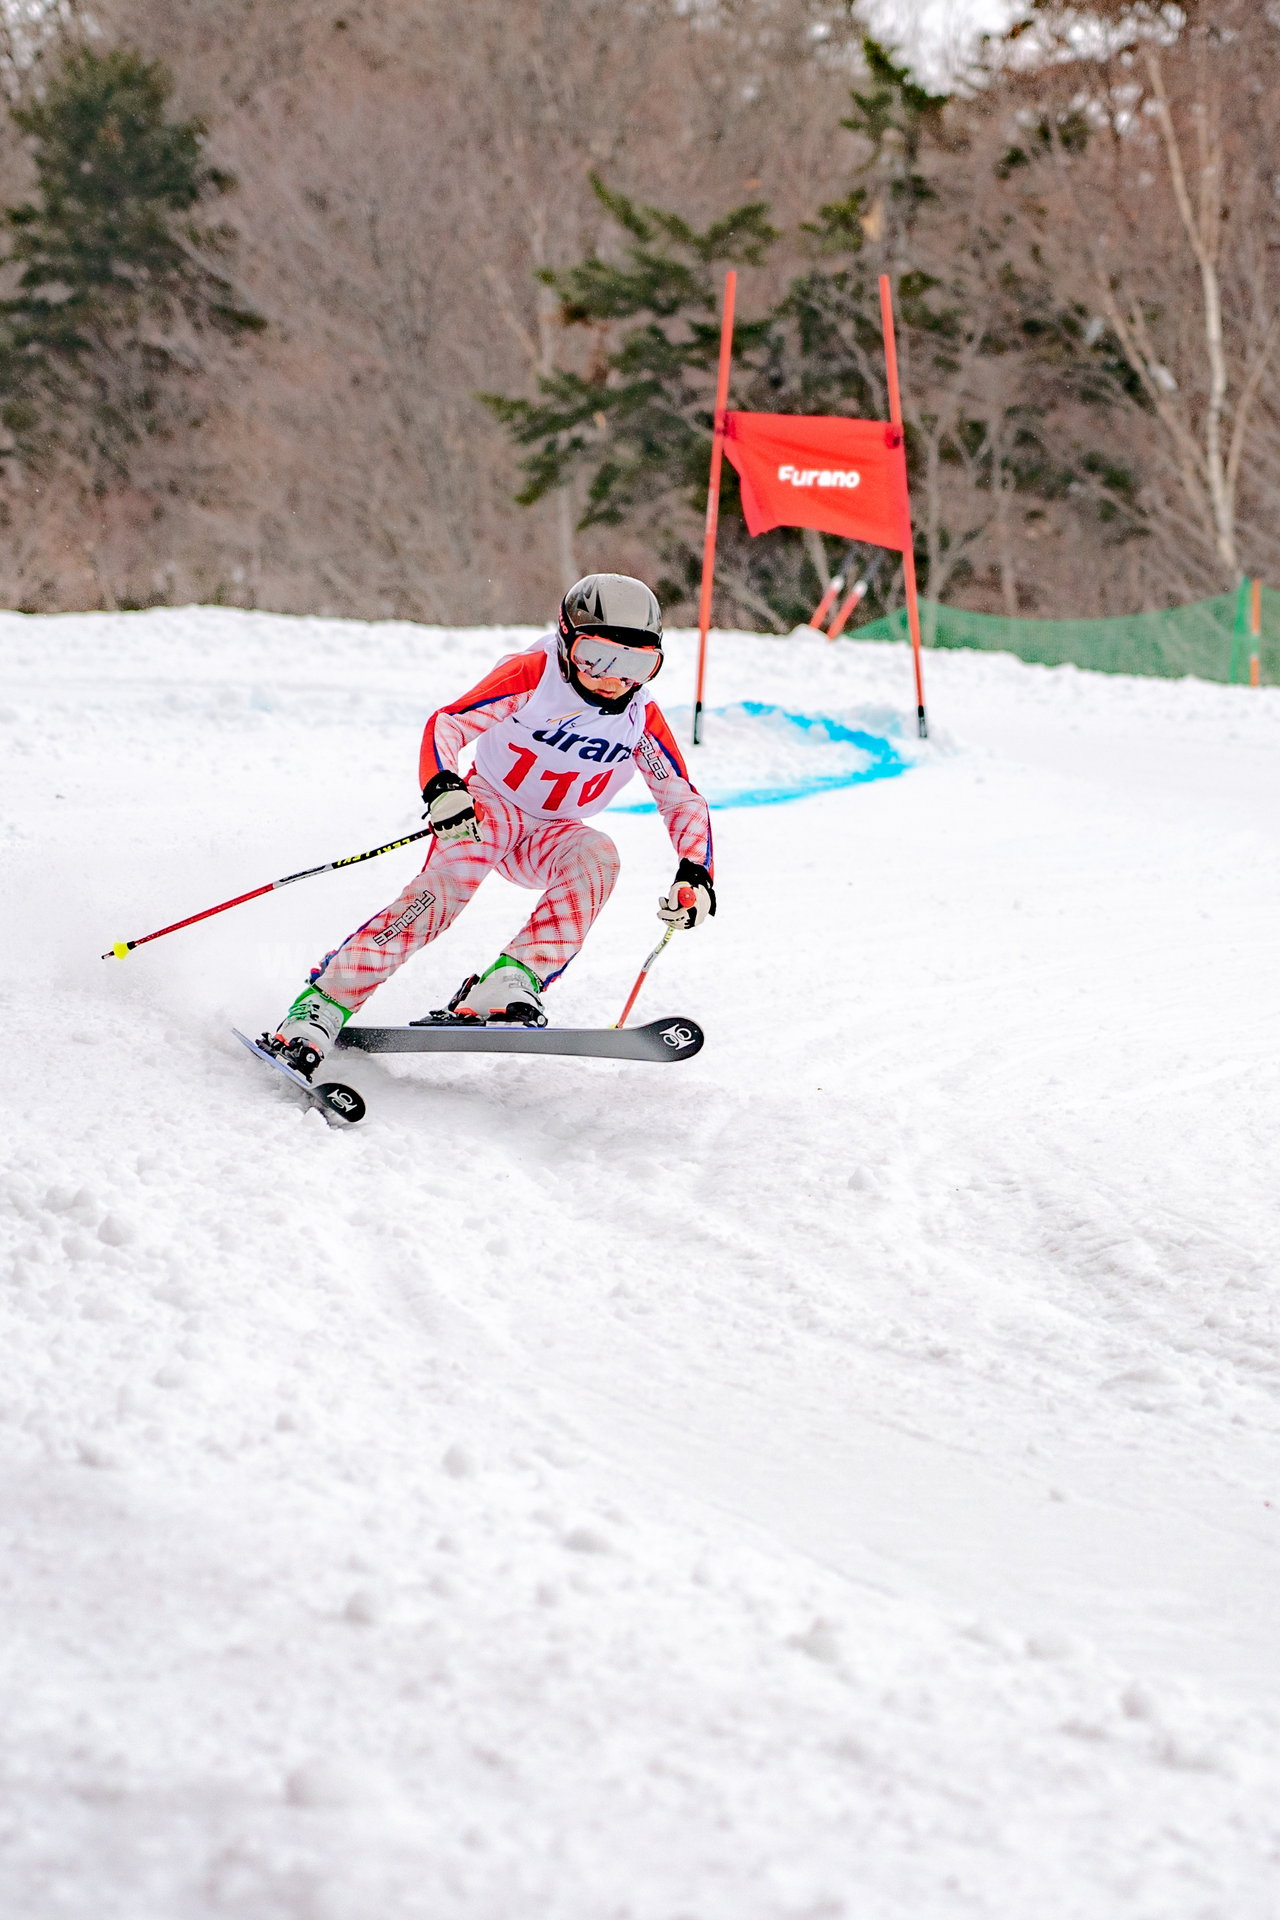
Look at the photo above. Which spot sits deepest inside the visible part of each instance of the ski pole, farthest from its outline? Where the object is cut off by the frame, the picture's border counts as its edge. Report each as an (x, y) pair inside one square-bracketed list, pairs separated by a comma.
[(123, 947), (686, 897)]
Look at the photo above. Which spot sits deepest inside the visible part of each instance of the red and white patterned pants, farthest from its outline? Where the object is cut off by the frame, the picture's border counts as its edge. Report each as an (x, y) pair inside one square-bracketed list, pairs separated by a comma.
[(576, 865)]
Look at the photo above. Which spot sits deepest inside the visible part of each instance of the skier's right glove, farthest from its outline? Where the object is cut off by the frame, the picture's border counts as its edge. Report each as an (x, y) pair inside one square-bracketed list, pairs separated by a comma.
[(691, 899), (450, 809)]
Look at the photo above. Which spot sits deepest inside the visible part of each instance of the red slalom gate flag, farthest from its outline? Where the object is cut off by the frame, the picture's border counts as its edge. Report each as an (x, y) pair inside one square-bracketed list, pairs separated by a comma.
[(820, 470)]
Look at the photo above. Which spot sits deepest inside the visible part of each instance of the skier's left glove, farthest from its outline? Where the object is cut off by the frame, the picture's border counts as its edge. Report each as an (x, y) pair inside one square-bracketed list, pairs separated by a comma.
[(690, 879), (450, 808)]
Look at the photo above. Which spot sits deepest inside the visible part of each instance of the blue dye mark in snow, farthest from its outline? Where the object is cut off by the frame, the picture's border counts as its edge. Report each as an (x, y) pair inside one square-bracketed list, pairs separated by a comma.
[(879, 760)]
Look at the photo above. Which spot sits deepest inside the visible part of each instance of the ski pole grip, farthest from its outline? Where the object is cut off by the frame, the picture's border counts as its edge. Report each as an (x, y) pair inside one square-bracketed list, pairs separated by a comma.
[(687, 897)]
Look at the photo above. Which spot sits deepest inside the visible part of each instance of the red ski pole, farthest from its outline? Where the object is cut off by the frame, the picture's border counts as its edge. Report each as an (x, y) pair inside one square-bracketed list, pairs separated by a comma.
[(686, 897), (123, 947)]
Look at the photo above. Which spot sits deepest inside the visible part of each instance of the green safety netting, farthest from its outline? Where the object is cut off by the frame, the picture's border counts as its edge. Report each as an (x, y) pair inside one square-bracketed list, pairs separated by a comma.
[(1210, 639)]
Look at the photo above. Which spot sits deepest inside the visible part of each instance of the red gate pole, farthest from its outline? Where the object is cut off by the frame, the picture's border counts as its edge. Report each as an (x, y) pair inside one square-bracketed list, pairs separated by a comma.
[(713, 497), (828, 600), (908, 556), (845, 615)]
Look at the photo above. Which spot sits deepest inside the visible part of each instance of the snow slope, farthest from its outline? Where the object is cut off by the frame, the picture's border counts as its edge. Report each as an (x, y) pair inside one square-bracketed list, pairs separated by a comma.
[(832, 1480)]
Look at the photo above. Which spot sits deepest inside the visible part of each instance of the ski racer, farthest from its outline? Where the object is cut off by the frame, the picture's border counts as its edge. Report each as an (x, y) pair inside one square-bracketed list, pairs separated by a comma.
[(558, 731)]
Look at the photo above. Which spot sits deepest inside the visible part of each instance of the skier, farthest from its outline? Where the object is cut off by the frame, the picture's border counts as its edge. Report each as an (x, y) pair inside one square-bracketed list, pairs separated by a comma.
[(558, 731)]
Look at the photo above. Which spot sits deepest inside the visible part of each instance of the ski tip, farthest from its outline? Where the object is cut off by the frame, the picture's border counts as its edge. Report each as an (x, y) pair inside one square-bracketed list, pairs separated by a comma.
[(344, 1103), (341, 1105), (682, 1036)]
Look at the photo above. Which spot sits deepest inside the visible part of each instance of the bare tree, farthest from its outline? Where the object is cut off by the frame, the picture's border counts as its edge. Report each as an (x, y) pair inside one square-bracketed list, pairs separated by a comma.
[(1154, 155), (405, 170)]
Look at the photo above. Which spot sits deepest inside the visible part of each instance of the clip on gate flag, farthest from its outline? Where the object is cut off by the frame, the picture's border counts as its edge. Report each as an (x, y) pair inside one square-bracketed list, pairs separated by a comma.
[(841, 476)]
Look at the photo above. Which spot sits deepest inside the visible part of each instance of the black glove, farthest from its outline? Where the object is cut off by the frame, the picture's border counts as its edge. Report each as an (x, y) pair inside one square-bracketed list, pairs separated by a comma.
[(450, 808), (694, 883)]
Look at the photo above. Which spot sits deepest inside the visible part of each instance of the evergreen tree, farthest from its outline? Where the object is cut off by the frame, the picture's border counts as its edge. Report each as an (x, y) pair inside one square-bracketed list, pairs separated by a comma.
[(116, 276), (636, 424), (991, 357)]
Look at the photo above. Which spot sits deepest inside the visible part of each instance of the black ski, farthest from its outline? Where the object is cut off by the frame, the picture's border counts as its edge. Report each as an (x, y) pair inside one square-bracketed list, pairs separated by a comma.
[(341, 1106), (675, 1038)]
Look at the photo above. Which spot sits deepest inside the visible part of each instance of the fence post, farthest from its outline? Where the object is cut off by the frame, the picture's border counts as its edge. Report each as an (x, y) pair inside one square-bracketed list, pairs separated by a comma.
[(1237, 633)]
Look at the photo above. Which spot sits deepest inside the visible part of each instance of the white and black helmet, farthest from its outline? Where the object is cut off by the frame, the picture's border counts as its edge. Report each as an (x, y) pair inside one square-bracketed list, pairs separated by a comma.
[(610, 626)]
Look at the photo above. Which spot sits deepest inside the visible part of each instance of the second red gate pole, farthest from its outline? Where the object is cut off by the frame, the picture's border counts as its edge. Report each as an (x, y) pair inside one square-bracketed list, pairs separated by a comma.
[(908, 552), (713, 497)]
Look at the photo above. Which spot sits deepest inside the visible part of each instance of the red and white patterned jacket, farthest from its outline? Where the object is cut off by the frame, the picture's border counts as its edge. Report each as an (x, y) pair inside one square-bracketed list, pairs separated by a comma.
[(557, 758)]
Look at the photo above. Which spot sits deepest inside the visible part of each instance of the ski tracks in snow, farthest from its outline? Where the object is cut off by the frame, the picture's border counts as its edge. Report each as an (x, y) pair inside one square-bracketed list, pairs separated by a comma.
[(832, 1478)]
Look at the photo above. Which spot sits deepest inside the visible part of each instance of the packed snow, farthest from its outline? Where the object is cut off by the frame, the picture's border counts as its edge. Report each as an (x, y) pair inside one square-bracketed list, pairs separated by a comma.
[(833, 1479)]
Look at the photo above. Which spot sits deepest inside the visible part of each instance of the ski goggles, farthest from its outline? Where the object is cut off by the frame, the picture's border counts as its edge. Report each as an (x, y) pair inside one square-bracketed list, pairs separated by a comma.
[(606, 659)]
